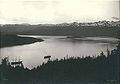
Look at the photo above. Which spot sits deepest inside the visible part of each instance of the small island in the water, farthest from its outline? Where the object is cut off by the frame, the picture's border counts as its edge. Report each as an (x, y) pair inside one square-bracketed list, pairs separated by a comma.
[(75, 36), (12, 40)]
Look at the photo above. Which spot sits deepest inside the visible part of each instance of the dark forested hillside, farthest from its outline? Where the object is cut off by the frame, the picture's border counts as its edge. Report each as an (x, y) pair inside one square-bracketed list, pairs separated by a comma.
[(77, 31), (70, 29)]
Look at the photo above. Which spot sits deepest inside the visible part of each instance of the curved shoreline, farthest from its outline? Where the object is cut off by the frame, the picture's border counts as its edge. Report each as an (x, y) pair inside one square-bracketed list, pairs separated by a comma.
[(13, 40)]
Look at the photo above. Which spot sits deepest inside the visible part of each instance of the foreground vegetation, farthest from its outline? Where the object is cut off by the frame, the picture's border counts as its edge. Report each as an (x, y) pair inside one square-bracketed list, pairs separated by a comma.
[(103, 69)]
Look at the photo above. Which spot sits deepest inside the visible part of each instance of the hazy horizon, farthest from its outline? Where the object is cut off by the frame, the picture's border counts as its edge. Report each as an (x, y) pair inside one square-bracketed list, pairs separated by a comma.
[(57, 11)]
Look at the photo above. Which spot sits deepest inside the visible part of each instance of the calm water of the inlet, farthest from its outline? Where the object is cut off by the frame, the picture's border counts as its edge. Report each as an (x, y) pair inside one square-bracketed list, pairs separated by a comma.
[(58, 47)]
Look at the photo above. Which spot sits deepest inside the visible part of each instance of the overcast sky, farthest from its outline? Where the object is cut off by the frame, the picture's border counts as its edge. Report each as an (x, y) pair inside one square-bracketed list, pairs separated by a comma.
[(57, 11)]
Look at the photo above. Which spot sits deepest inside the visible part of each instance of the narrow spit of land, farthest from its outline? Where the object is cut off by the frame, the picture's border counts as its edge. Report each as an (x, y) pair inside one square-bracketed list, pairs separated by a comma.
[(7, 40)]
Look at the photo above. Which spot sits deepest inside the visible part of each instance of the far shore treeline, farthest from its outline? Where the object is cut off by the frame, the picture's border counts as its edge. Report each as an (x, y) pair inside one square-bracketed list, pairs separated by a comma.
[(100, 28)]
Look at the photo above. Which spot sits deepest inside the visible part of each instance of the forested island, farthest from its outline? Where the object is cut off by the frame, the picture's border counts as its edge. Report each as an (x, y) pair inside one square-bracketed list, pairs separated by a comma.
[(102, 69), (12, 40)]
